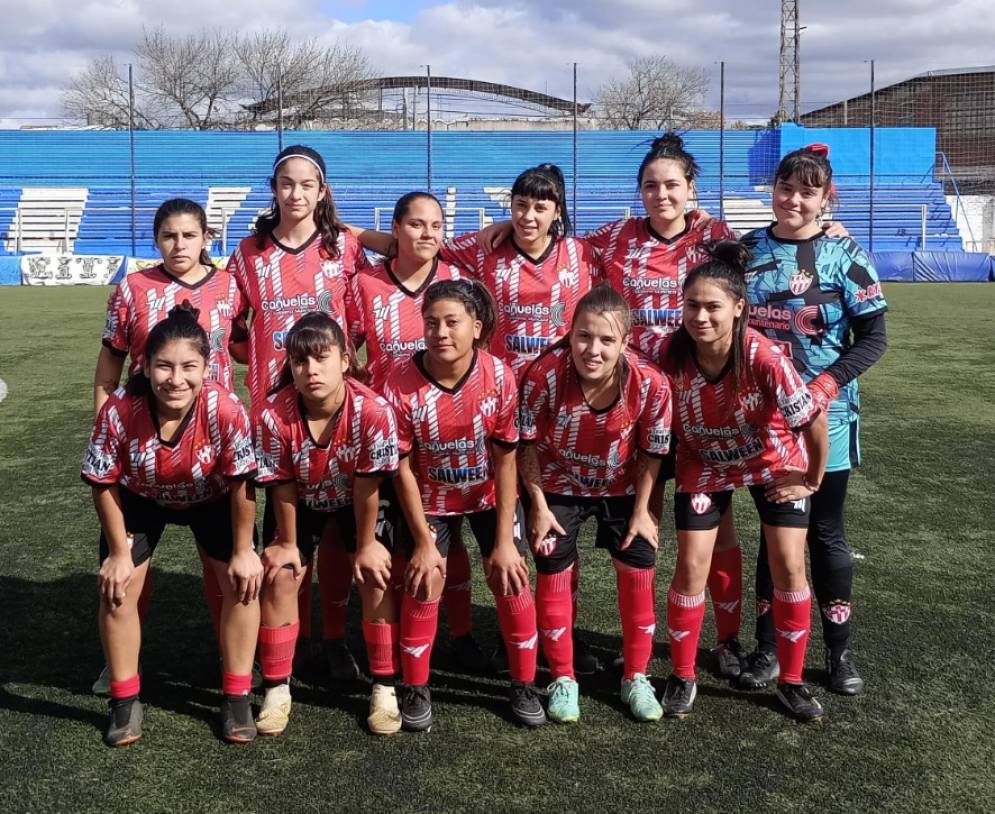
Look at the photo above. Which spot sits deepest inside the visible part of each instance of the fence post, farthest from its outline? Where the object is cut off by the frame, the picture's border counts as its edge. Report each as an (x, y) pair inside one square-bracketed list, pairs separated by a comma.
[(922, 242), (65, 230), (224, 232), (870, 225), (279, 107), (722, 141), (131, 150), (428, 124), (574, 202)]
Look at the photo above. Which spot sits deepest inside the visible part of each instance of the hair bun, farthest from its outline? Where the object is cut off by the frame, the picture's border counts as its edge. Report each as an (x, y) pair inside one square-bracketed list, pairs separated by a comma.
[(731, 252), (184, 310), (669, 140)]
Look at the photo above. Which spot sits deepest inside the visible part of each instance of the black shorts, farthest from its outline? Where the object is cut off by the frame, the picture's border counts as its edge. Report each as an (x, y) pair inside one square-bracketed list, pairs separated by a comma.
[(145, 521), (704, 510), (612, 515), (448, 530)]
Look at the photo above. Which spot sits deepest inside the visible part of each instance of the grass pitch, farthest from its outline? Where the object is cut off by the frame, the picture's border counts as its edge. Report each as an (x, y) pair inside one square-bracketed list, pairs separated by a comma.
[(921, 739)]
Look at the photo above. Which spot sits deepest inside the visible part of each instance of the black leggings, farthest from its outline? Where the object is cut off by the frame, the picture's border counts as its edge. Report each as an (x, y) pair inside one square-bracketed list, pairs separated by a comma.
[(832, 568)]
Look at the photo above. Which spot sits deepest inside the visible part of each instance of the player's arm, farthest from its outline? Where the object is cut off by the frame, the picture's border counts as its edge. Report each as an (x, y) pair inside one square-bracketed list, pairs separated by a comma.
[(507, 570), (643, 523), (117, 570), (107, 377), (372, 557), (870, 341), (798, 485), (245, 569), (425, 558), (283, 552), (379, 242), (542, 522)]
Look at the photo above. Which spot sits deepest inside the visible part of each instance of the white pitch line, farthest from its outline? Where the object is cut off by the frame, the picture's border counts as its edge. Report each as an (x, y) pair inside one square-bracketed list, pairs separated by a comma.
[(3, 389)]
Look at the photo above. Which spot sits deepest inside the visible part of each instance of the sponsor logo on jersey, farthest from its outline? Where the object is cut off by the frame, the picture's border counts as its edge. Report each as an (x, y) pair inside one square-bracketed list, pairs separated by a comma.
[(581, 457), (650, 284), (526, 420), (457, 474), (709, 432), (593, 483), (837, 611), (554, 634), (871, 292), (383, 454), (752, 448), (656, 316), (659, 440), (402, 348), (678, 635), (279, 339), (799, 402), (531, 345), (302, 302), (460, 446), (700, 503), (771, 317), (218, 339), (800, 281), (791, 635), (808, 321), (97, 462), (242, 451), (535, 312)]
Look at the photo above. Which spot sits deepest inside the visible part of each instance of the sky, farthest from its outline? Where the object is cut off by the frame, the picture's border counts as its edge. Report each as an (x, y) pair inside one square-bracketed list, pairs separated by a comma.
[(529, 44)]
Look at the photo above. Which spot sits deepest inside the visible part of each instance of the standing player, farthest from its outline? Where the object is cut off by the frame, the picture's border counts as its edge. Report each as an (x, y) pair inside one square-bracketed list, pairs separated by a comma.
[(820, 299), (174, 448), (739, 406), (300, 260), (595, 422), (388, 302), (456, 410), (142, 300), (324, 442)]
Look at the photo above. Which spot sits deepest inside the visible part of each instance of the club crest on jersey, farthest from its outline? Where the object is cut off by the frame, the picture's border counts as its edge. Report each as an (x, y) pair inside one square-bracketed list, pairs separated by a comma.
[(751, 400), (837, 611), (223, 308), (331, 268), (346, 452), (700, 503), (800, 281), (489, 405), (205, 454), (568, 278)]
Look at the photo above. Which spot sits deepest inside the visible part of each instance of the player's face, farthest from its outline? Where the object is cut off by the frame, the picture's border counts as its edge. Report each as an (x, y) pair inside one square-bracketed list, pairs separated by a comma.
[(181, 240), (419, 232), (710, 312), (450, 331), (298, 188), (319, 377), (796, 205), (532, 218), (665, 190), (596, 343), (176, 373)]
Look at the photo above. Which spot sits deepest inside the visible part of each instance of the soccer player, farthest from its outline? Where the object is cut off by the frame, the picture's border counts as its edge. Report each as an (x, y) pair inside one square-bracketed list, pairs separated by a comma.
[(299, 260), (324, 442), (388, 302), (595, 422), (456, 408), (142, 300), (174, 448), (739, 408), (820, 299)]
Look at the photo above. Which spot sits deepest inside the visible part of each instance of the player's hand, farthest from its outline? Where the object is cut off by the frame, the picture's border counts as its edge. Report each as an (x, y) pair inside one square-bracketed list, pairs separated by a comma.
[(642, 524), (424, 562), (245, 575), (702, 218), (490, 237), (372, 563), (543, 528), (506, 570), (835, 229), (282, 555), (114, 578), (824, 390), (789, 487)]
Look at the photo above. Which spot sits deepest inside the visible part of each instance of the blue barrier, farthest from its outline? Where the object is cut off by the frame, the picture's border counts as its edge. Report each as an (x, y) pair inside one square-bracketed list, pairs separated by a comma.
[(10, 270), (893, 266), (934, 267)]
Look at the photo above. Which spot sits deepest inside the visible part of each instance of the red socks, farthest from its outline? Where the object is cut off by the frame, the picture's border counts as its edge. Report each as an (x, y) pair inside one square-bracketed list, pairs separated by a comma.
[(725, 584), (457, 594), (637, 610), (232, 684), (334, 584), (517, 619), (276, 651), (304, 601), (792, 622), (684, 617), (129, 688), (554, 611), (382, 648), (419, 622)]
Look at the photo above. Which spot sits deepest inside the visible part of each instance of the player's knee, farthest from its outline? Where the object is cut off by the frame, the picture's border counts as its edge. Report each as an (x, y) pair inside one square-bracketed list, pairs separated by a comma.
[(557, 562)]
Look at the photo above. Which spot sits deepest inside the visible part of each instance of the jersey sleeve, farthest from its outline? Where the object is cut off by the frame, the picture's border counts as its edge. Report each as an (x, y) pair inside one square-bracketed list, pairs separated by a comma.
[(533, 402), (238, 269), (463, 251), (356, 312), (861, 287), (102, 459), (117, 327), (402, 419), (657, 417), (237, 460), (604, 237), (506, 426), (378, 455), (274, 454), (720, 230), (786, 388)]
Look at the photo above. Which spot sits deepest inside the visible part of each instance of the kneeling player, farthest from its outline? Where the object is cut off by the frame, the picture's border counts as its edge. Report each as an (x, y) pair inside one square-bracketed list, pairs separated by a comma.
[(739, 407), (599, 417), (324, 442), (173, 448), (456, 407)]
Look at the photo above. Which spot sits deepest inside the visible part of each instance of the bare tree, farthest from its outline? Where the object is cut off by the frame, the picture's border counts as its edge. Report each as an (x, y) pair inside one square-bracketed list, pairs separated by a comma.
[(657, 94), (99, 96)]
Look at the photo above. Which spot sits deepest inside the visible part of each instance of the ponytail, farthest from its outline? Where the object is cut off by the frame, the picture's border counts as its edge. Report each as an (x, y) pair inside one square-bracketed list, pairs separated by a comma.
[(180, 323), (477, 299)]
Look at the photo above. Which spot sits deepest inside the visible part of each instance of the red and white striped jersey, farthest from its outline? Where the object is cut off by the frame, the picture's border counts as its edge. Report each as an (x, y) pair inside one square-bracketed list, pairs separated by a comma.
[(535, 299), (587, 452), (649, 270), (145, 298), (448, 431), (730, 438), (212, 444), (280, 285), (389, 318), (363, 444)]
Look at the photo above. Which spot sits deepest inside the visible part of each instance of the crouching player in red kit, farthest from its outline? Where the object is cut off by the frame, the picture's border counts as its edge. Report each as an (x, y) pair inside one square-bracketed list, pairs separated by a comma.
[(324, 441), (739, 406), (173, 448), (456, 411), (595, 423)]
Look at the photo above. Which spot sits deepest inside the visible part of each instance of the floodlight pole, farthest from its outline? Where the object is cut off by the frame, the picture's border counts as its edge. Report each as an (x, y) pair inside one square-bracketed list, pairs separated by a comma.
[(722, 140), (428, 128), (574, 204), (870, 231), (131, 152), (279, 106)]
